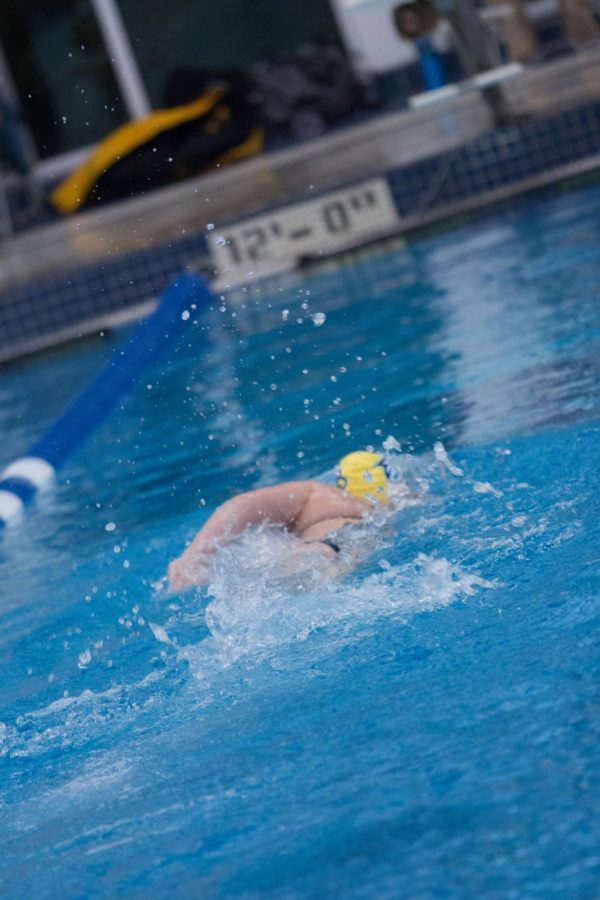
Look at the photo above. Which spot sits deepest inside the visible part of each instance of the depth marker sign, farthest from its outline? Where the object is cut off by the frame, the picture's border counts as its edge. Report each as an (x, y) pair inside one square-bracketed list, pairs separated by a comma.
[(276, 241)]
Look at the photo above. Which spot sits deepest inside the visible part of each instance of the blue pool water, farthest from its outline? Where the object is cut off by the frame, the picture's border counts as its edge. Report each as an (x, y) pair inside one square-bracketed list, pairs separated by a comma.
[(424, 724)]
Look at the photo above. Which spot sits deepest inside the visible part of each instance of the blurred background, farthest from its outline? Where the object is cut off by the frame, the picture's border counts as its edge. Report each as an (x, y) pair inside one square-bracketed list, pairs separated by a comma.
[(73, 70), (111, 100)]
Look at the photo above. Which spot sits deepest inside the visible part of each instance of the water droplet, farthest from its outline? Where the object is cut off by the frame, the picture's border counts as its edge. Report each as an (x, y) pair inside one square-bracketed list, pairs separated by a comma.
[(318, 318), (210, 226), (110, 526), (185, 315)]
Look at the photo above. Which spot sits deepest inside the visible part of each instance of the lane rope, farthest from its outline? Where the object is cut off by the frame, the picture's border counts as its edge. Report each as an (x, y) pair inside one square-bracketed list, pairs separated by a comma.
[(25, 477)]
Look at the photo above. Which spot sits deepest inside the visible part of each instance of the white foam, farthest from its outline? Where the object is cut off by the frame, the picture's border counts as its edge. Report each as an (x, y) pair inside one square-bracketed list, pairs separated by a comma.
[(268, 591)]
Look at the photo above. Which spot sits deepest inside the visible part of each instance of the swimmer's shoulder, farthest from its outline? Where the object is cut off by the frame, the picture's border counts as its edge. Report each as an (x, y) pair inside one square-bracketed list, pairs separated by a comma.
[(307, 490), (325, 502)]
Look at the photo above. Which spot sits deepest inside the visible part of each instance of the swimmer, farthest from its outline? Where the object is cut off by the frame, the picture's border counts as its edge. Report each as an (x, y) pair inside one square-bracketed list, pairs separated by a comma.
[(308, 509)]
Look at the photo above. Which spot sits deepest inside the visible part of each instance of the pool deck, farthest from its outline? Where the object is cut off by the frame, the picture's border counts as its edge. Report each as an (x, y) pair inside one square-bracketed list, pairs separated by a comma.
[(75, 276)]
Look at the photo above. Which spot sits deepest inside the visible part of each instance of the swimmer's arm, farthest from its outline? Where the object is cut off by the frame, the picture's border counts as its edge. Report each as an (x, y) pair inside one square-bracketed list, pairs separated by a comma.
[(281, 504)]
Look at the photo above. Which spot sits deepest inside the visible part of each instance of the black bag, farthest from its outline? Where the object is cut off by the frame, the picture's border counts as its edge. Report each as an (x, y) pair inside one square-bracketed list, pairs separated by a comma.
[(219, 125)]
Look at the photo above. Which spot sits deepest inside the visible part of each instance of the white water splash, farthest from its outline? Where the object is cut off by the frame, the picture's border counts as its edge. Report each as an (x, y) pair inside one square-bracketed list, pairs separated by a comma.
[(479, 487), (71, 721), (484, 487), (442, 457), (269, 591), (159, 633)]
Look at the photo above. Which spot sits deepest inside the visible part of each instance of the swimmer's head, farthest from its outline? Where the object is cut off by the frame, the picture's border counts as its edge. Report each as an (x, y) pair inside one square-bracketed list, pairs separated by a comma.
[(363, 475)]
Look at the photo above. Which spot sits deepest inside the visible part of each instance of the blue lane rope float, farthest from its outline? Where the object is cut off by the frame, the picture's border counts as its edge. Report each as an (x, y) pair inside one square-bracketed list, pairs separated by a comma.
[(22, 479)]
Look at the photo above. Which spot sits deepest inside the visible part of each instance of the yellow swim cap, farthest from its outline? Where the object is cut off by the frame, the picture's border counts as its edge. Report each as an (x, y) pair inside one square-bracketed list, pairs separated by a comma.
[(363, 475)]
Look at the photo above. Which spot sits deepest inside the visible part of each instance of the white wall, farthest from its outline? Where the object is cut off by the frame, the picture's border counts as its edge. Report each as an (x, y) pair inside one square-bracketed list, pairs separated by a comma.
[(370, 36)]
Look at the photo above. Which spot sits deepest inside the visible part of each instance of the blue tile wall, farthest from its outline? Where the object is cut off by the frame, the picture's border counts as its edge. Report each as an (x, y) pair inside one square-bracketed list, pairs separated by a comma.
[(499, 159), (64, 300)]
